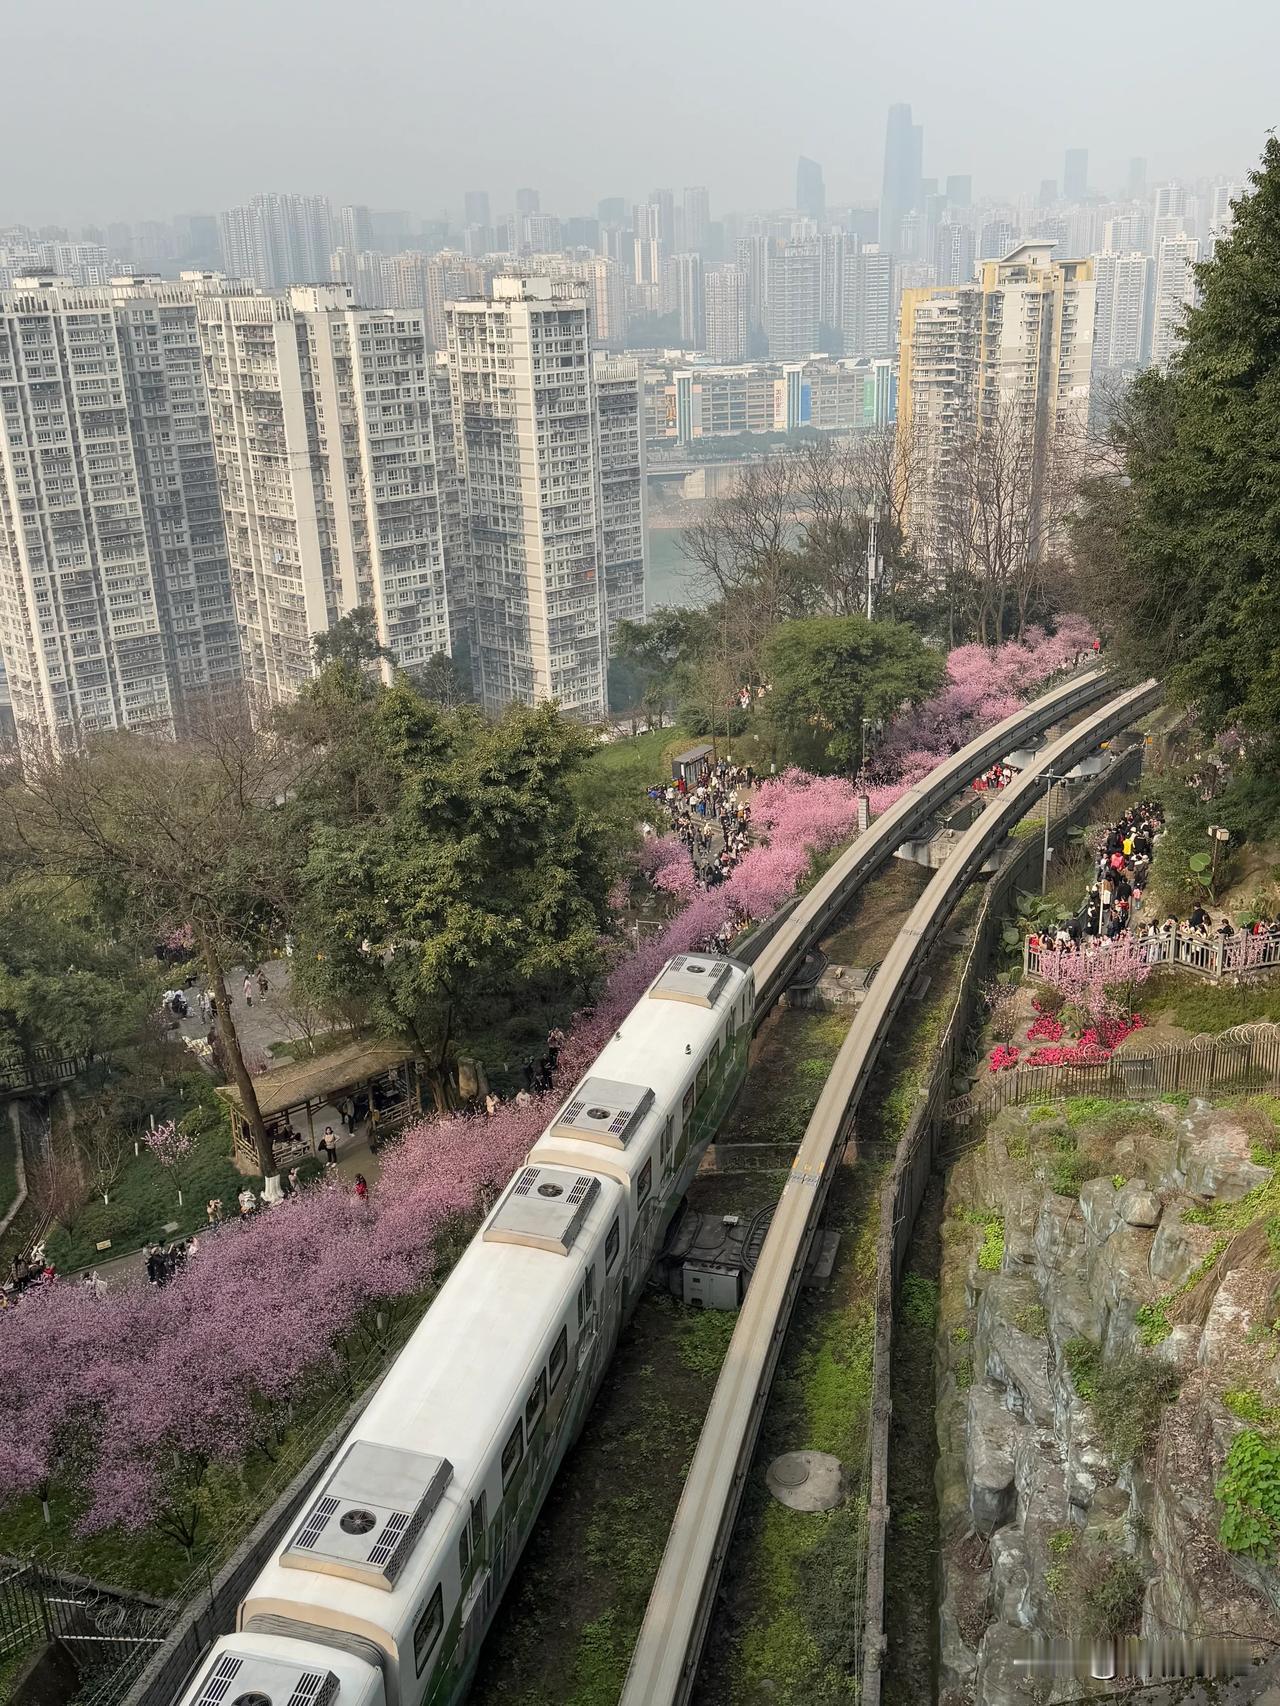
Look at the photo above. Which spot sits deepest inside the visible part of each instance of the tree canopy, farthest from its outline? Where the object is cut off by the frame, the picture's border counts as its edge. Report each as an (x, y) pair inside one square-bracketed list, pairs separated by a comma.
[(1181, 568), (828, 673)]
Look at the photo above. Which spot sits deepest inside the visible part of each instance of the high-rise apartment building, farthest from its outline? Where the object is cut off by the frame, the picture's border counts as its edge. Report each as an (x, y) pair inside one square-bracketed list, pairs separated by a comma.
[(793, 301), (449, 276), (900, 195), (524, 408), (1221, 214), (1137, 181), (726, 302), (668, 236), (527, 202), (996, 237), (833, 247), (278, 240), (475, 208), (682, 295), (869, 320), (612, 210), (1075, 174), (697, 221), (811, 194), (619, 395), (1175, 292), (1010, 354), (954, 253), (959, 189), (646, 228), (1122, 323), (354, 229), (367, 271), (325, 442), (115, 595)]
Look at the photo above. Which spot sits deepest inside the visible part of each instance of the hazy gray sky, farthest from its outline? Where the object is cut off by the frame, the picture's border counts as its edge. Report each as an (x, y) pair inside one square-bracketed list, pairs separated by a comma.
[(139, 109)]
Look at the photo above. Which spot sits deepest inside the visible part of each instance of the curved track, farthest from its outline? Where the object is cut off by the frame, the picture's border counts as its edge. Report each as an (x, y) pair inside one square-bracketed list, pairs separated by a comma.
[(666, 1654), (779, 959)]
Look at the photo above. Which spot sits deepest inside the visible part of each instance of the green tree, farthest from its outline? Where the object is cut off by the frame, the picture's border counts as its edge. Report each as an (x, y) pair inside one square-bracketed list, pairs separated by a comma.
[(167, 833), (1181, 567), (352, 639), (472, 872), (653, 648), (67, 979), (829, 672)]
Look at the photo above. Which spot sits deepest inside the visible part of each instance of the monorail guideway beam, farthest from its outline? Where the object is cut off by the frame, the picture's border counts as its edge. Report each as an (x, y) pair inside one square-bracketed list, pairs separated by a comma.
[(666, 1654)]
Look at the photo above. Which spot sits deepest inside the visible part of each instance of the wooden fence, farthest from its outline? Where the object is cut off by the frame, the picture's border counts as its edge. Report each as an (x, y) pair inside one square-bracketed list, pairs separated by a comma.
[(1246, 1057), (1215, 958)]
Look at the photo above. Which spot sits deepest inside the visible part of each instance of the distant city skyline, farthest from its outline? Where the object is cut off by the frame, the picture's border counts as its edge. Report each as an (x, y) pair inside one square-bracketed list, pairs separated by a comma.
[(145, 128)]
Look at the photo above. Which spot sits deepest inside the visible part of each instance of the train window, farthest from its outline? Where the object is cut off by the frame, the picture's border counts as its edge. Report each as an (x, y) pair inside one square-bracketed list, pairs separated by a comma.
[(744, 1009), (714, 1060), (537, 1403), (730, 1031), (644, 1184), (611, 1248), (686, 1107), (464, 1553), (559, 1356), (427, 1630), (477, 1524), (582, 1307), (589, 1283), (666, 1137), (702, 1080), (512, 1453)]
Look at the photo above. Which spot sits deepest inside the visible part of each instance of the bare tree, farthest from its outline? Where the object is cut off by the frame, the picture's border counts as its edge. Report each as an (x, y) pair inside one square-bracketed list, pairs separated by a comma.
[(103, 1143), (55, 1188), (175, 833), (747, 544)]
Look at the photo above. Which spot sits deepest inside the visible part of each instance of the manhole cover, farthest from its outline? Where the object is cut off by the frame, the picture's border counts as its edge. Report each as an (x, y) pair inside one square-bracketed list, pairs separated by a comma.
[(806, 1480)]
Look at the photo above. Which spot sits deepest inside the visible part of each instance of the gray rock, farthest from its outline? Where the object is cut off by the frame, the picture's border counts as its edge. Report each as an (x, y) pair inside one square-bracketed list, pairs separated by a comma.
[(1003, 1678), (1074, 1313), (1012, 1354), (1060, 1235), (1212, 1158), (1137, 1204), (957, 1661), (993, 1439), (1108, 1518), (1098, 1205), (1176, 1250), (1182, 1348), (1121, 1270), (1229, 1319), (951, 1484), (1011, 1578)]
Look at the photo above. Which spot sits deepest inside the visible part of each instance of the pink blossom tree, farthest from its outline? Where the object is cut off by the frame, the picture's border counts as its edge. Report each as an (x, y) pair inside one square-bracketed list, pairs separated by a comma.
[(1100, 978), (172, 1147)]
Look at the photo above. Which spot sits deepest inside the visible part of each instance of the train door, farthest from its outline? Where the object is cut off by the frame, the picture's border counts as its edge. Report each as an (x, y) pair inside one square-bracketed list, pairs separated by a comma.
[(478, 1601)]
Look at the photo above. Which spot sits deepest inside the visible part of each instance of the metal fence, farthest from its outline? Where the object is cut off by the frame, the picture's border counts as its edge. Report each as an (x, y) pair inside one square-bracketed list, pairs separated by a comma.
[(108, 1635), (1246, 1057), (1214, 958), (38, 1069)]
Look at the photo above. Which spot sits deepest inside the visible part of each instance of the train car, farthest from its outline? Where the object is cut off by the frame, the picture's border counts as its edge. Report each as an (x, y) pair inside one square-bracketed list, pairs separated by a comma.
[(383, 1590)]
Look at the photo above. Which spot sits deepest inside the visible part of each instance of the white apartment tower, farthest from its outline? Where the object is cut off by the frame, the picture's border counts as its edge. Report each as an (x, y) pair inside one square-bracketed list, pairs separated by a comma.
[(683, 295), (869, 315), (726, 299), (527, 415), (1175, 292), (793, 301), (115, 598), (619, 396), (1016, 347), (278, 240), (1122, 327), (325, 440)]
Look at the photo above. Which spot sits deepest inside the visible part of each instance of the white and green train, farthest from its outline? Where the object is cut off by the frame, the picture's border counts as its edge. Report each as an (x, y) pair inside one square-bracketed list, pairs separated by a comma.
[(383, 1591)]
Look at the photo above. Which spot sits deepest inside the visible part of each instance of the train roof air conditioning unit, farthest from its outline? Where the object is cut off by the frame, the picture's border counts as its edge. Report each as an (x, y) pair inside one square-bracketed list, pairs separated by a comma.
[(604, 1111), (544, 1209), (244, 1679), (370, 1511), (696, 978)]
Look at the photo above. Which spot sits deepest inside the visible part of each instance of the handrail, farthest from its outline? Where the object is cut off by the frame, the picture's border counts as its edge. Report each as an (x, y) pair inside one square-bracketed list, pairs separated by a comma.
[(664, 1661)]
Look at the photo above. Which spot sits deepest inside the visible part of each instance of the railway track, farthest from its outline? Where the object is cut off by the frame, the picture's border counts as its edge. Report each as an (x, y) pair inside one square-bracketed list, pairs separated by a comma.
[(665, 1659)]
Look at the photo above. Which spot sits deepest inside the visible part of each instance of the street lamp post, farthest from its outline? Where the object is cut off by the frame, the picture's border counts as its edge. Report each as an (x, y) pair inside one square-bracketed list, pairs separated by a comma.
[(873, 528), (1050, 779)]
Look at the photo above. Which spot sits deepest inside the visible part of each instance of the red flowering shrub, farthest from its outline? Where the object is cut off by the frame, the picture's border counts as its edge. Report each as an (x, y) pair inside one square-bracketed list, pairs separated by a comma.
[(1046, 1029), (1004, 1054)]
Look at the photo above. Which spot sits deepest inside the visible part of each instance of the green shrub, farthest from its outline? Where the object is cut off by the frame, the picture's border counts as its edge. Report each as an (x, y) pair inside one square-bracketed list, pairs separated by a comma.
[(1130, 1392), (1018, 1146), (1154, 1324), (964, 1373), (1119, 1181), (1083, 1357), (114, 1220), (1249, 1490), (1244, 1402), (1082, 1109), (1051, 1000), (1099, 1592), (1046, 1111), (919, 1303), (991, 1251), (1068, 1172), (960, 1335)]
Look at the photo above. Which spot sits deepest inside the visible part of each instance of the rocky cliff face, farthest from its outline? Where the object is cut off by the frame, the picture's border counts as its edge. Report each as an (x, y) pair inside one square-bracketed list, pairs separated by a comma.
[(1088, 1334)]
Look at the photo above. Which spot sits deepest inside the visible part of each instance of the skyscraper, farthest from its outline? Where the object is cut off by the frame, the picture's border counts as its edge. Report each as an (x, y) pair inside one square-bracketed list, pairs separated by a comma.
[(1137, 185), (1075, 174), (115, 593), (811, 195), (870, 303), (793, 301), (325, 441), (277, 240), (960, 190), (683, 295), (726, 299), (954, 253), (1009, 354), (475, 208), (665, 203), (528, 201), (1175, 292), (525, 411), (646, 226), (697, 221), (612, 210), (903, 152), (1122, 324), (619, 396), (354, 230)]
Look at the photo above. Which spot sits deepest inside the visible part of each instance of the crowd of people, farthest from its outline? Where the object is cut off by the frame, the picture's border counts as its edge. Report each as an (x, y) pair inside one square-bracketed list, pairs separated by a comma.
[(992, 781), (717, 800)]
